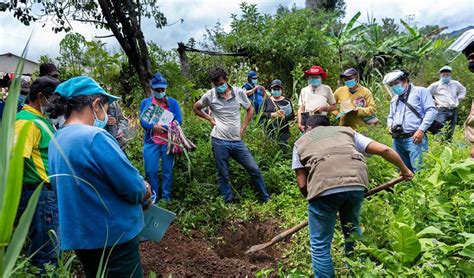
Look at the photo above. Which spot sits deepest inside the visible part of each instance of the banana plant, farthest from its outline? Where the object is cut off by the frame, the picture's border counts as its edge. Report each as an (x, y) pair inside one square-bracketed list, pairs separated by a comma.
[(346, 38)]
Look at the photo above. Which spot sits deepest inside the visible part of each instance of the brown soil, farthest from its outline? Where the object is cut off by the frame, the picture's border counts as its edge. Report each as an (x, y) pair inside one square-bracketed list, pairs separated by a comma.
[(181, 256)]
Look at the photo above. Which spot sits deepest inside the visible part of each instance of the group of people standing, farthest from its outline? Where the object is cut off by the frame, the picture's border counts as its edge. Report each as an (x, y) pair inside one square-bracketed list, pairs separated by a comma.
[(93, 179), (414, 110)]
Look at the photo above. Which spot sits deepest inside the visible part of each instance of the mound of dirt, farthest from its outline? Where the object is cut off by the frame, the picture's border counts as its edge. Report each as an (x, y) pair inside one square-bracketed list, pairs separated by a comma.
[(182, 256)]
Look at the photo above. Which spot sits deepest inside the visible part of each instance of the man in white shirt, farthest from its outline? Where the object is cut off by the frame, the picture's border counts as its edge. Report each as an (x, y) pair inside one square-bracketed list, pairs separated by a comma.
[(447, 94), (316, 98)]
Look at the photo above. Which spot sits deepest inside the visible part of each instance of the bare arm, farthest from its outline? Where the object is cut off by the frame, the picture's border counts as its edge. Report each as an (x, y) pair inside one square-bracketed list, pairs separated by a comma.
[(331, 107), (300, 110), (301, 179), (390, 155), (197, 109), (248, 117), (328, 108), (251, 91)]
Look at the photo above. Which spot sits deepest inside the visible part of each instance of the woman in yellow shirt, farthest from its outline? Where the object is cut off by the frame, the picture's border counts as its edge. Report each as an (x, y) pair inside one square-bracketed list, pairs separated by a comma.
[(356, 106)]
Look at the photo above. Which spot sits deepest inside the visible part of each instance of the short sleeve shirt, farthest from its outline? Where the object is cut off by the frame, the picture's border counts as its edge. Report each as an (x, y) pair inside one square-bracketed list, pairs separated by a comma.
[(226, 112), (313, 98)]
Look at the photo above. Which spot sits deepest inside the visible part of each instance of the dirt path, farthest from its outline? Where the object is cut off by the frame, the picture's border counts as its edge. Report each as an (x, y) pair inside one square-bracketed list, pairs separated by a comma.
[(182, 256)]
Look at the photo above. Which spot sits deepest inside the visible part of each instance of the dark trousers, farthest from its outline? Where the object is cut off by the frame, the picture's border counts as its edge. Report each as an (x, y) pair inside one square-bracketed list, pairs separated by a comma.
[(44, 219), (122, 260), (448, 116), (223, 150)]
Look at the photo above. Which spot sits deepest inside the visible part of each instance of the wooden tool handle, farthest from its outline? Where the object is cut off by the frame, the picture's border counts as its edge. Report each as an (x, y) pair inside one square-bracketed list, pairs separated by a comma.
[(384, 186), (300, 226), (289, 232)]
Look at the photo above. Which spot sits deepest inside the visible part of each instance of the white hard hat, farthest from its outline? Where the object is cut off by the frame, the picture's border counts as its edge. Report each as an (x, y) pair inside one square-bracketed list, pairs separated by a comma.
[(392, 76), (445, 68)]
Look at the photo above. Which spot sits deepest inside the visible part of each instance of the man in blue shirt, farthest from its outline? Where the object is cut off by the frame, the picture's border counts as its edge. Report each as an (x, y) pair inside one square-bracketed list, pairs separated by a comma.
[(254, 92), (406, 127)]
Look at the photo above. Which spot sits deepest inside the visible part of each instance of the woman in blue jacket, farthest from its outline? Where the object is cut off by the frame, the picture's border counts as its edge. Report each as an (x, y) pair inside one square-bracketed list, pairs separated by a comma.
[(100, 194), (156, 135)]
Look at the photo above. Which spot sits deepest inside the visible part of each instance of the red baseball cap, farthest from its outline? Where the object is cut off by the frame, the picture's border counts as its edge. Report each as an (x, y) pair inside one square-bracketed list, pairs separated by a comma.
[(316, 70)]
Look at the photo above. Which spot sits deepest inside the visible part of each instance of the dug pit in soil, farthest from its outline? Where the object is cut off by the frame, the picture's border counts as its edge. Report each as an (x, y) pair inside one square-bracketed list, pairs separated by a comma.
[(224, 256)]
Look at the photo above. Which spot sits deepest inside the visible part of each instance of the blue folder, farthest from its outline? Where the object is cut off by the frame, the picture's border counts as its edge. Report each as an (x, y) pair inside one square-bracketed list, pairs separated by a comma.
[(157, 221)]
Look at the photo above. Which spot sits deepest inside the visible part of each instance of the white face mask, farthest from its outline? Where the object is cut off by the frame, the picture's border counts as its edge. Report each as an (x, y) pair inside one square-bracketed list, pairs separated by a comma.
[(44, 108), (59, 121)]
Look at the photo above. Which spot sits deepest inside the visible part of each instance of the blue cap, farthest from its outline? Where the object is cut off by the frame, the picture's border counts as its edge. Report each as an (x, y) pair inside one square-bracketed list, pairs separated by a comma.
[(348, 73), (82, 86), (252, 74), (159, 81)]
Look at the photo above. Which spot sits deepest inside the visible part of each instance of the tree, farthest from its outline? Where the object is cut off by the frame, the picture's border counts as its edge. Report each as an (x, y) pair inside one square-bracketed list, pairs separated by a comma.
[(427, 29), (281, 45), (334, 5), (122, 17), (389, 27), (345, 39), (71, 51)]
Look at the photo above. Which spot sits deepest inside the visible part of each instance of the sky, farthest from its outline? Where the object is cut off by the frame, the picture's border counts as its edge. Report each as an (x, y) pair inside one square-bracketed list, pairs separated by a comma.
[(197, 15)]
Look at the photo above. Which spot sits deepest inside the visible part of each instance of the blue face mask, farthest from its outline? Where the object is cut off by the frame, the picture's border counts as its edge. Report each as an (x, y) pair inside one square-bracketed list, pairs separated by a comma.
[(276, 93), (254, 81), (398, 89), (445, 79), (159, 95), (221, 89), (99, 123), (315, 81), (351, 83)]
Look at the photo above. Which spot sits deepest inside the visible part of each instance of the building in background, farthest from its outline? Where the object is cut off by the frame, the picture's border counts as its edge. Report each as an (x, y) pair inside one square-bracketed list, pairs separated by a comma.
[(9, 61)]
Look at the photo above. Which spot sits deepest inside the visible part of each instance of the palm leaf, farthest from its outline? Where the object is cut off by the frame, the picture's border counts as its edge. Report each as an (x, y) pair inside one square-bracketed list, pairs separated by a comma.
[(21, 231), (352, 21), (411, 30), (12, 192)]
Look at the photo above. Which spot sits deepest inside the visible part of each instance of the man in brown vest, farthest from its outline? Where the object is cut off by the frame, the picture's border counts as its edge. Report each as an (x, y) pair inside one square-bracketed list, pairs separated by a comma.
[(332, 174)]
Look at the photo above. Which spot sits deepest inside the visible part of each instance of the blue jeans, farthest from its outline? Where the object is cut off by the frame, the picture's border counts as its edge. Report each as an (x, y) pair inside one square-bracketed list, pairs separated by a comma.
[(446, 117), (322, 219), (223, 150), (44, 219), (152, 154), (411, 153)]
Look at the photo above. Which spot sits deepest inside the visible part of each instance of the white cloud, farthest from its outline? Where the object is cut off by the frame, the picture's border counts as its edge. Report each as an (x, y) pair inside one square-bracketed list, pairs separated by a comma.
[(197, 15), (455, 14)]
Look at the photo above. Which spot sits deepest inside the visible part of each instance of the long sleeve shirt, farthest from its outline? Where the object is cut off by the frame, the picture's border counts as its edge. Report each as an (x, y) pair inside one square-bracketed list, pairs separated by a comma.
[(102, 207), (362, 99), (173, 107), (280, 123), (421, 100), (447, 95)]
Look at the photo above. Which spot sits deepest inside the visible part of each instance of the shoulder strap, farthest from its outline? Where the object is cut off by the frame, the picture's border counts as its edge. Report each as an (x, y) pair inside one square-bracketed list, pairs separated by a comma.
[(405, 101), (412, 109)]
